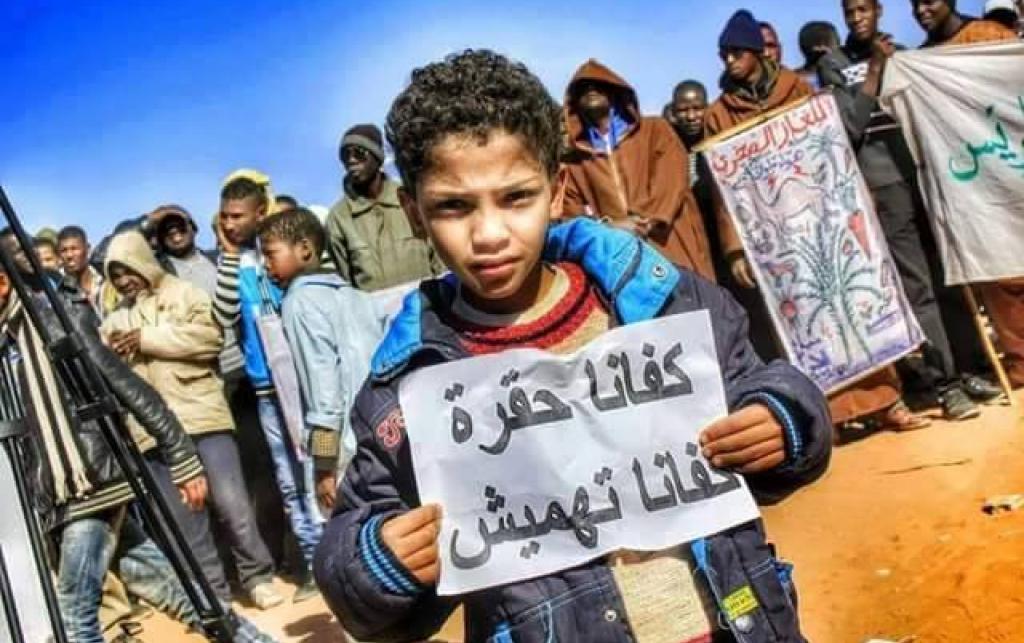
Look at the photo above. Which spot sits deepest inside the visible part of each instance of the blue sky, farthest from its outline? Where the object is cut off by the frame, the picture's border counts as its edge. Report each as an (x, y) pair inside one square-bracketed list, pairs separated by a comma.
[(109, 108)]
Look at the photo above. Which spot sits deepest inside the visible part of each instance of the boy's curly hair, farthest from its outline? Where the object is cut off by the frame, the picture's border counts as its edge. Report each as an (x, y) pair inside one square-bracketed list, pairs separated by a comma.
[(472, 93), (292, 226)]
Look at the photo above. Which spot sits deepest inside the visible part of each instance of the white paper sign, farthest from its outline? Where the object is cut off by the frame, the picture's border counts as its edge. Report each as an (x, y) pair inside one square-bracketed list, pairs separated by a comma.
[(542, 462)]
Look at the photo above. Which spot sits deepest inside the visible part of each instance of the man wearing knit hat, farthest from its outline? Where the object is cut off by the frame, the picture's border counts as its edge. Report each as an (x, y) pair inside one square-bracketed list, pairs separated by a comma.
[(751, 86), (369, 236)]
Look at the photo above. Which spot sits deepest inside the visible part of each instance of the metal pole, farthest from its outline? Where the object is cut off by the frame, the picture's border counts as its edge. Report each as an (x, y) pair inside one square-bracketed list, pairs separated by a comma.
[(93, 401), (10, 607)]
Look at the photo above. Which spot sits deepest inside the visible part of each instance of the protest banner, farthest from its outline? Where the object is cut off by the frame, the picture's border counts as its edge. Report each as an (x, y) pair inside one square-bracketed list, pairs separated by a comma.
[(542, 462), (962, 111), (805, 217)]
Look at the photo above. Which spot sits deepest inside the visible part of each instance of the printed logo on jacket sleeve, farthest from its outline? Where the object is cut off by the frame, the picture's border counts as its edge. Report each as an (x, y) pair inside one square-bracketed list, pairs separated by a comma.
[(391, 431)]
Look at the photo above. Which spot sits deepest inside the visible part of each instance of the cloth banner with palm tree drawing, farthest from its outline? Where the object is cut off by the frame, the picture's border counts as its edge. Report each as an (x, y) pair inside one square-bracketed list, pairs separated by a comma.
[(804, 214)]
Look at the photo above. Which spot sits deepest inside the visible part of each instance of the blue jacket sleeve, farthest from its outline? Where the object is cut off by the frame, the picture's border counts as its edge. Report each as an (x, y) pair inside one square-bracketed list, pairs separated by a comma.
[(798, 404), (366, 587)]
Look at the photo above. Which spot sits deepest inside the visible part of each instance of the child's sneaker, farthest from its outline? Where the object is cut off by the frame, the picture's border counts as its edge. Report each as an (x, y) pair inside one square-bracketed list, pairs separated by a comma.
[(307, 588)]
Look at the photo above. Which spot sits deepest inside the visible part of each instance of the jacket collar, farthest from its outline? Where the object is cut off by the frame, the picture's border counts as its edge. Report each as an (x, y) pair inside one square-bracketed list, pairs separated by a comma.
[(628, 273), (327, 279), (359, 204)]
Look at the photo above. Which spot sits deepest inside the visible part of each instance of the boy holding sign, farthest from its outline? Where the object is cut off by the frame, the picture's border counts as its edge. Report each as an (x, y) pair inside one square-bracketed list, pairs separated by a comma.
[(476, 139)]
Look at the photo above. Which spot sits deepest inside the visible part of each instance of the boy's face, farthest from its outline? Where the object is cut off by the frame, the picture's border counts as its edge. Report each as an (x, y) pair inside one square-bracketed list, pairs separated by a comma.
[(360, 165), (47, 256), (13, 249), (930, 14), (177, 236), (286, 260), (128, 283), (593, 100), (239, 218), (5, 290), (486, 210), (74, 254), (862, 18), (772, 48), (740, 64), (688, 107)]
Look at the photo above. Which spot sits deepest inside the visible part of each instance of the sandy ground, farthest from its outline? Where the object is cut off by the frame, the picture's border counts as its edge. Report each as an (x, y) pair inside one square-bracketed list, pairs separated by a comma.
[(892, 543)]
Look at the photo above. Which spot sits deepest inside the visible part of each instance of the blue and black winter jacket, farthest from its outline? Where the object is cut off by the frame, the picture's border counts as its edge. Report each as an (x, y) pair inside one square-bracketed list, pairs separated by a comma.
[(376, 599)]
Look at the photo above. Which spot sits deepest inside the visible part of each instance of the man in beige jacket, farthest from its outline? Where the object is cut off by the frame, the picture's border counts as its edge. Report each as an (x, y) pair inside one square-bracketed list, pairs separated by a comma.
[(165, 330)]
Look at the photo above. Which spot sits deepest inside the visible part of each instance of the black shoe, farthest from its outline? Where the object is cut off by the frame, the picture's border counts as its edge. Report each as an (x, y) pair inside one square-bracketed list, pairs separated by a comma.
[(956, 406), (981, 389), (307, 589)]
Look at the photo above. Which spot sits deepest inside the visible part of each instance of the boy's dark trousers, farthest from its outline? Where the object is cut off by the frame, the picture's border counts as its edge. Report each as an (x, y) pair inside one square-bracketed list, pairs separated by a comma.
[(898, 214), (228, 501)]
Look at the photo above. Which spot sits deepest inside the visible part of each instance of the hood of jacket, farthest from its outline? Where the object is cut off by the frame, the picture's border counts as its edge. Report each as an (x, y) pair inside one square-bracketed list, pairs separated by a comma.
[(132, 250), (623, 99), (772, 90)]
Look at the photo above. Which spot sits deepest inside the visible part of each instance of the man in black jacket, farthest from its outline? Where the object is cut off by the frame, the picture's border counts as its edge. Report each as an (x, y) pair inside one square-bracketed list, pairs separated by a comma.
[(78, 488), (854, 72)]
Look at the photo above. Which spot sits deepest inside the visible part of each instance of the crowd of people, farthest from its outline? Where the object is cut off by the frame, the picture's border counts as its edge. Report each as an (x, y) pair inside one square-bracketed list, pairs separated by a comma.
[(255, 361)]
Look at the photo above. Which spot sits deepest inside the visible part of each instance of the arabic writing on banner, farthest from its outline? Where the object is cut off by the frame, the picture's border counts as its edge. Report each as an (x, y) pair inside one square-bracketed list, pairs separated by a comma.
[(807, 222), (542, 462), (962, 112)]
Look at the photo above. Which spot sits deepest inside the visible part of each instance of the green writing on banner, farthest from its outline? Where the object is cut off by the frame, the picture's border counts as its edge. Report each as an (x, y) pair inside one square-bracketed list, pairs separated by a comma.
[(967, 166)]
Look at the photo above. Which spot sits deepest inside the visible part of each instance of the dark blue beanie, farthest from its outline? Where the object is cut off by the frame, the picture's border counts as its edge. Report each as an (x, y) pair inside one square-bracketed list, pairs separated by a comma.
[(742, 32)]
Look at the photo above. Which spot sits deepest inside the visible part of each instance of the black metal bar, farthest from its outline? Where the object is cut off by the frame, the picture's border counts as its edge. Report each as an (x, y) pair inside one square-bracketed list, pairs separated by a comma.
[(92, 399), (35, 538), (10, 606)]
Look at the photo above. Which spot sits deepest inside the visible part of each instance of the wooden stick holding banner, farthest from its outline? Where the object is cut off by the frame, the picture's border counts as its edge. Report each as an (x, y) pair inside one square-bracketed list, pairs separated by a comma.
[(990, 349)]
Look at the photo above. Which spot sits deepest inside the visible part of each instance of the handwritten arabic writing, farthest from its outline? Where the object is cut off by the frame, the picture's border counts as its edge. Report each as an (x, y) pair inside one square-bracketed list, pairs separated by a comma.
[(520, 412), (571, 457), (581, 521), (1000, 147), (775, 138), (806, 220)]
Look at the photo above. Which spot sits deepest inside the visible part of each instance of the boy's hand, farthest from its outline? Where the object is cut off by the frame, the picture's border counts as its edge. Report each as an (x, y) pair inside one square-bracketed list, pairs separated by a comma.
[(749, 441), (741, 272), (193, 493), (412, 538), (222, 239), (126, 343), (326, 488)]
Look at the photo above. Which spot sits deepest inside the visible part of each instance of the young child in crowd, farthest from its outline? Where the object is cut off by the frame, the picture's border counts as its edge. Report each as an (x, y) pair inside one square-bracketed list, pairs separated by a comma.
[(476, 140), (332, 330), (244, 294), (165, 330)]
